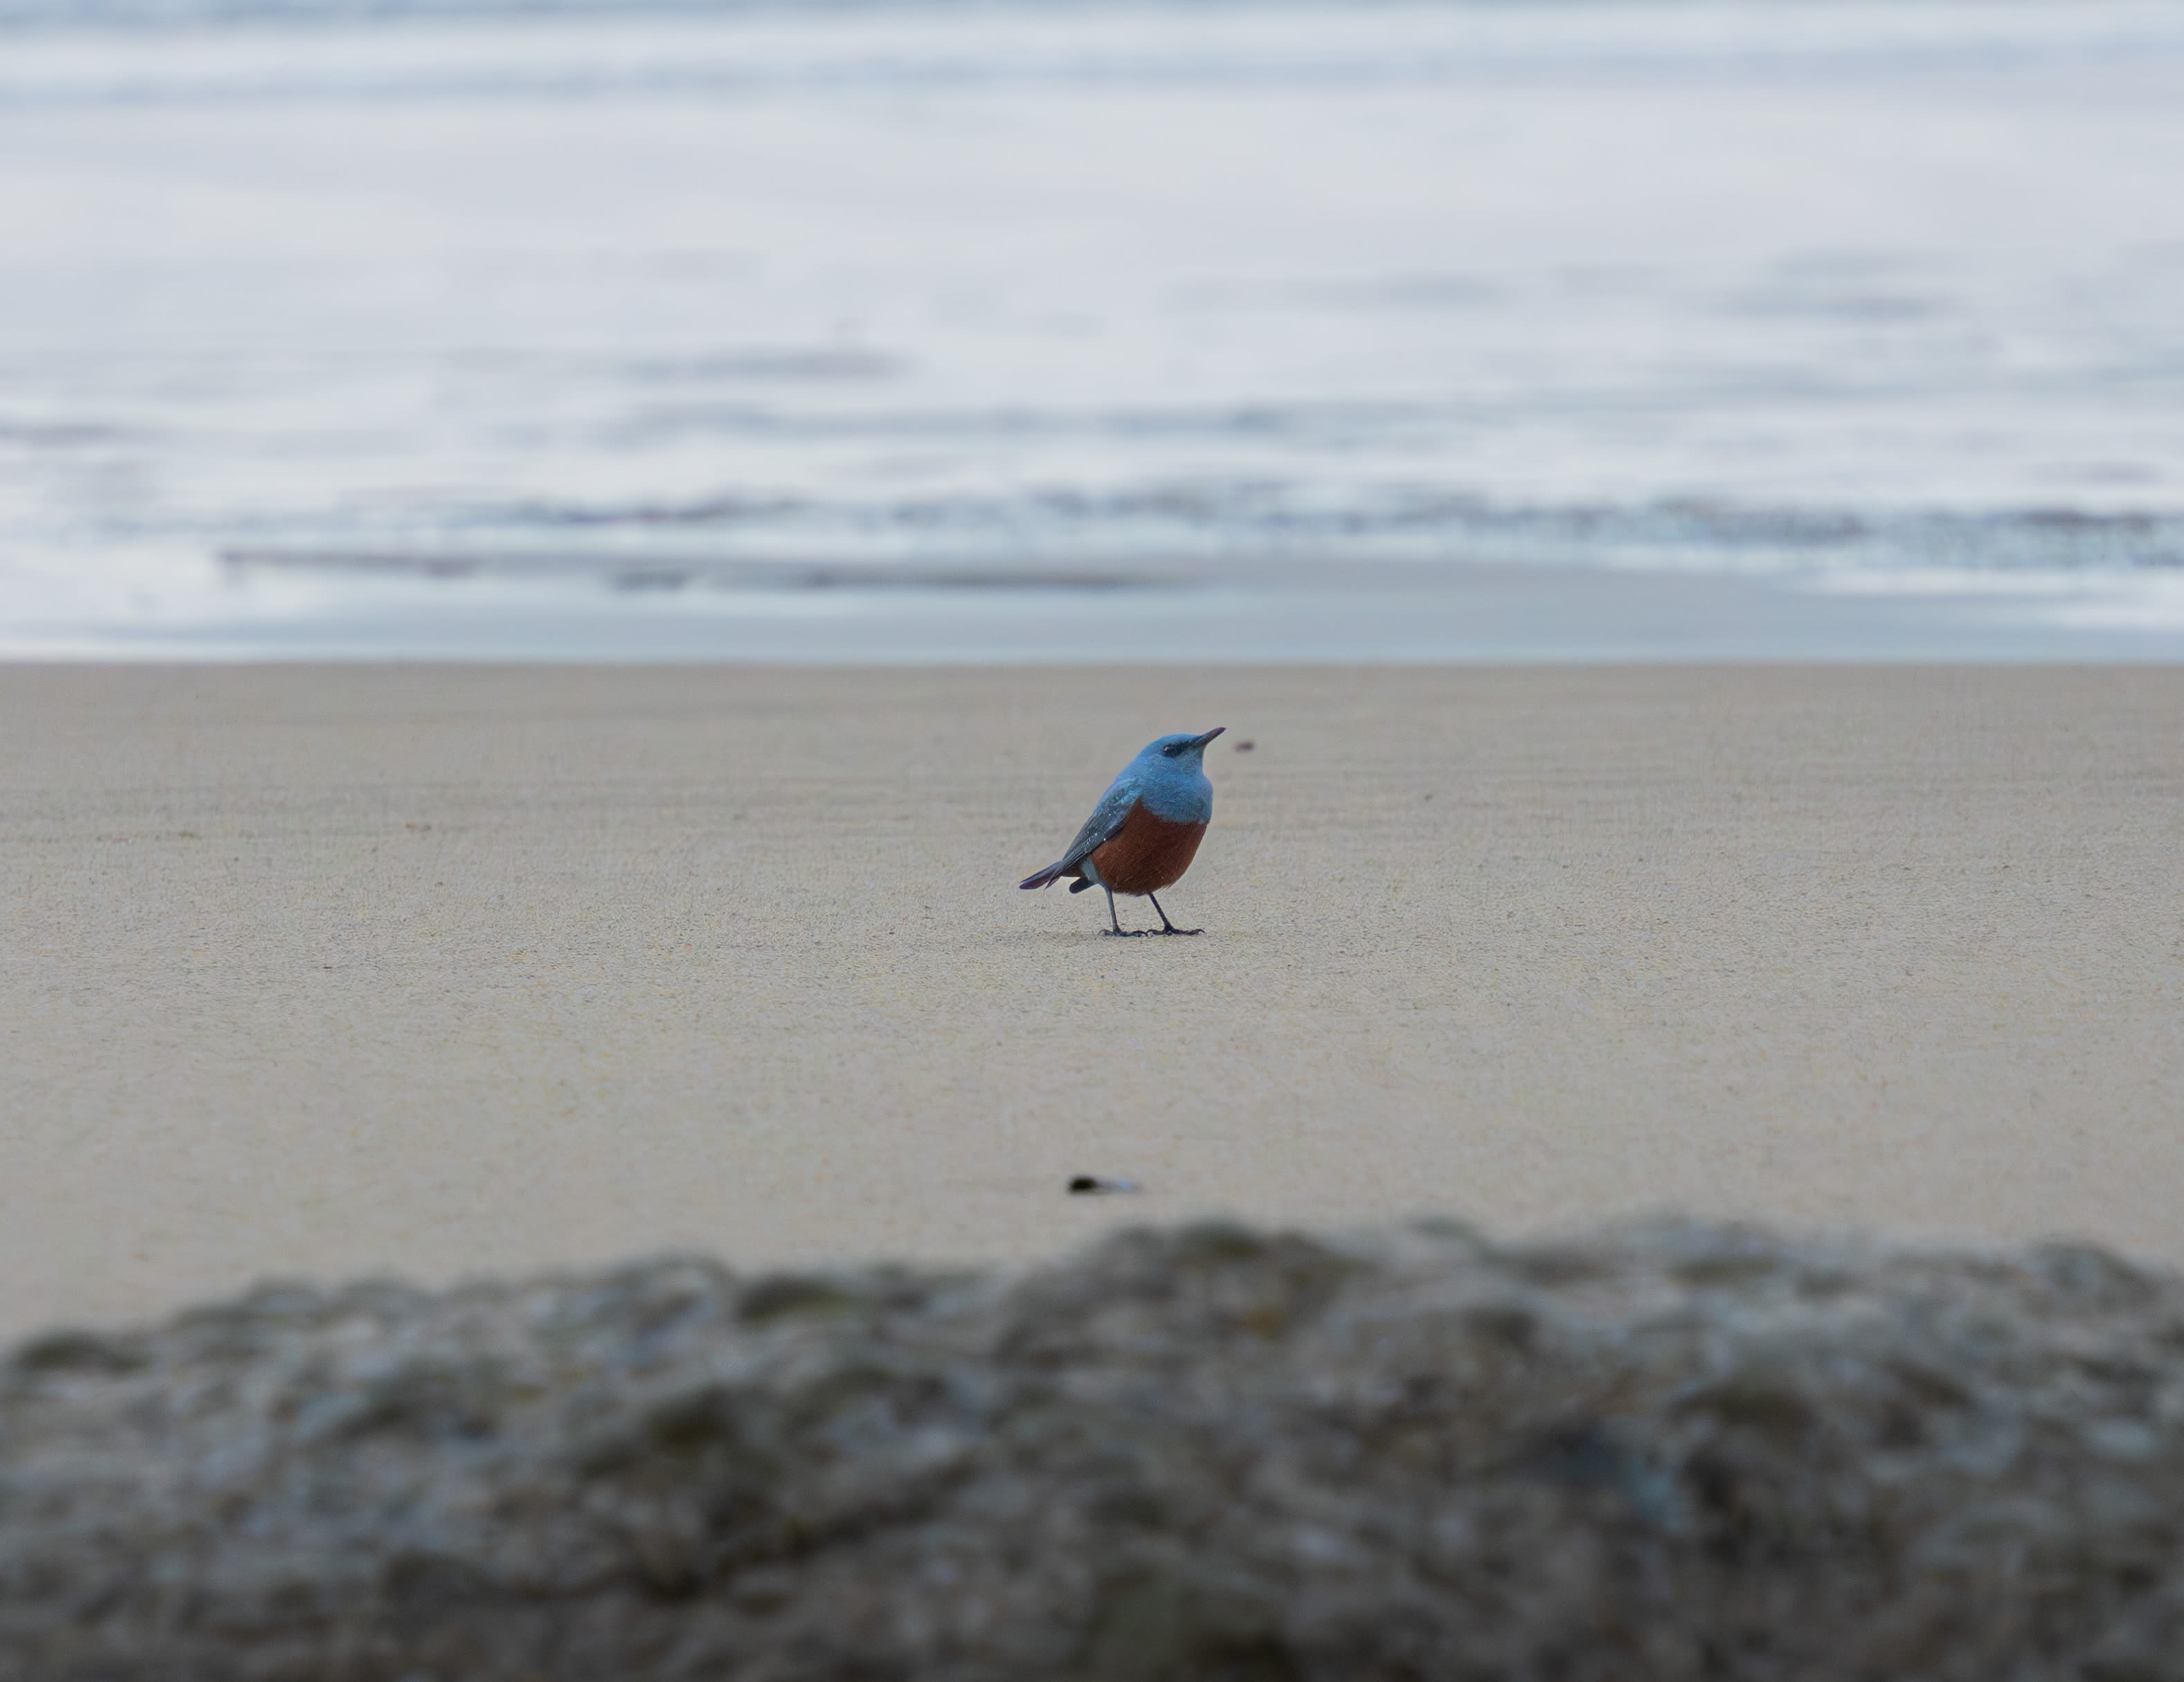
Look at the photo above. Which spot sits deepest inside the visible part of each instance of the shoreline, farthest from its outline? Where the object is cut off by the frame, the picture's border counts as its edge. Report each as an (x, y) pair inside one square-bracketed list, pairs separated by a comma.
[(1187, 614), (325, 970)]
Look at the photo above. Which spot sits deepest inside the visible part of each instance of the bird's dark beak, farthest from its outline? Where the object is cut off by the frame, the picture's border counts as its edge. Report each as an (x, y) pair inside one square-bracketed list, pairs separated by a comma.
[(1209, 736)]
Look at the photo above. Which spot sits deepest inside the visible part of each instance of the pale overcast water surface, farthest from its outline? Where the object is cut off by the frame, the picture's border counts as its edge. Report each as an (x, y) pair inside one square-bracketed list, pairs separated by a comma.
[(1582, 329)]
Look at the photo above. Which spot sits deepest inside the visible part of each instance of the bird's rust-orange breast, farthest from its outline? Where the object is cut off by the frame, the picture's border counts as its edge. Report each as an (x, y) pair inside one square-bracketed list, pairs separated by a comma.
[(1147, 853)]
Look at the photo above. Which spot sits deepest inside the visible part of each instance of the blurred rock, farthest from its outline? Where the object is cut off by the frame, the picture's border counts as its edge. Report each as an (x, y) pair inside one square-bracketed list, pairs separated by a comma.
[(1206, 1454)]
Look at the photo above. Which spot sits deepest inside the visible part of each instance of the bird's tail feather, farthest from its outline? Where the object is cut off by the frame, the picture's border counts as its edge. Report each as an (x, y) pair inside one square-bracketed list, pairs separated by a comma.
[(1039, 878)]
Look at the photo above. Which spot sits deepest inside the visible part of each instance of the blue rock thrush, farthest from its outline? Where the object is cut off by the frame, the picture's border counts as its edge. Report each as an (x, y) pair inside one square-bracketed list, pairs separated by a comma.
[(1145, 832)]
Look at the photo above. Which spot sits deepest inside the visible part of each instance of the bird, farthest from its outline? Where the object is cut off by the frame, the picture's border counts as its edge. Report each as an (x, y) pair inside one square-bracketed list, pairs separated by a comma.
[(1145, 832)]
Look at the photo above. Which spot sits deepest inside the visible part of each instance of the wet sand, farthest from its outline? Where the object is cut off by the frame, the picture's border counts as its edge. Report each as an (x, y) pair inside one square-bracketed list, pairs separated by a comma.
[(433, 972)]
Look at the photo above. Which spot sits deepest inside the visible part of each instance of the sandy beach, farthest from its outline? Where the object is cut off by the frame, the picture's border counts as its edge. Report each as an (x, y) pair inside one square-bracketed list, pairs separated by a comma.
[(441, 971)]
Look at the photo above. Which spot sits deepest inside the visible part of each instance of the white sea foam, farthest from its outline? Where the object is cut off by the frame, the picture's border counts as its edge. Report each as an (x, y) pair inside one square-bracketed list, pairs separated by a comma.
[(315, 336)]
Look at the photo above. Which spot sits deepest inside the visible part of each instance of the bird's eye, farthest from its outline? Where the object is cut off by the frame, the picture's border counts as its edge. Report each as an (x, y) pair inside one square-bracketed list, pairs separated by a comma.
[(1174, 749)]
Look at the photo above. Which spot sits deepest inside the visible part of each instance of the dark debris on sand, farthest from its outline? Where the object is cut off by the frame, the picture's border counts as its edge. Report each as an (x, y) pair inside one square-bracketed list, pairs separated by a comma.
[(1206, 1454)]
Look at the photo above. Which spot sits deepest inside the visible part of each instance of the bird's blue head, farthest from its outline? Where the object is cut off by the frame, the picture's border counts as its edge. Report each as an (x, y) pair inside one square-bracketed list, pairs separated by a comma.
[(1175, 758), (1169, 775), (1178, 754)]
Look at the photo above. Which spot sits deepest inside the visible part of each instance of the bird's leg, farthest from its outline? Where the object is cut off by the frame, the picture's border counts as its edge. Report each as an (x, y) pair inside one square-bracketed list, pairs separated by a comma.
[(1168, 927), (1117, 921)]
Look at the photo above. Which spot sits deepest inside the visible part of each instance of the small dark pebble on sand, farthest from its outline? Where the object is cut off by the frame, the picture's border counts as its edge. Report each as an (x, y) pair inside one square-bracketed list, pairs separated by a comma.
[(1245, 746)]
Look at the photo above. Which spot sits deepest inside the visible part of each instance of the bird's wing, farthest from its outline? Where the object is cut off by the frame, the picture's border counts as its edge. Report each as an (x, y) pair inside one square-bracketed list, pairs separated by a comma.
[(1106, 823)]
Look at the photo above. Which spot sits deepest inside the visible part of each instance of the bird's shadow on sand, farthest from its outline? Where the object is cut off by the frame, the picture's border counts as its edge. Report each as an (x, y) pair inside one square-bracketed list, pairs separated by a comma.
[(1097, 938)]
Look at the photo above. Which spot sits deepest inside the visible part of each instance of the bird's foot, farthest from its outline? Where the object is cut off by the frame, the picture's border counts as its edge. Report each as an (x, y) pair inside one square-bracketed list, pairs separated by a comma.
[(1129, 934), (1175, 931)]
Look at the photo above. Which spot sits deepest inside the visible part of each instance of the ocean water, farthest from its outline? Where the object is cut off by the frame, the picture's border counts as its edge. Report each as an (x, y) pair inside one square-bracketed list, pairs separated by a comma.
[(1527, 329)]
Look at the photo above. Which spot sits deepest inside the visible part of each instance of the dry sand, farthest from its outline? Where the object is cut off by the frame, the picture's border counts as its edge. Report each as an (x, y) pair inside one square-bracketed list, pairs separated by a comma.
[(438, 971)]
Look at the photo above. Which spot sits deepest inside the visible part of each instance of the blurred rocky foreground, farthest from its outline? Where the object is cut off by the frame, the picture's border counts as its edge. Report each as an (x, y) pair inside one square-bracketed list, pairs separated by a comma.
[(1203, 1454)]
